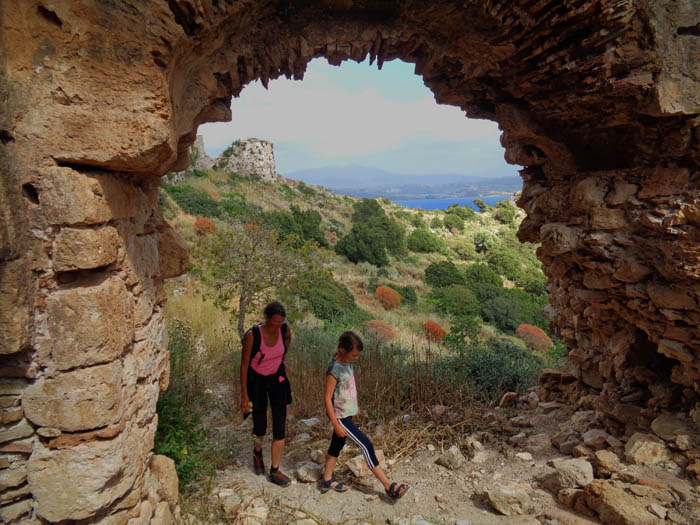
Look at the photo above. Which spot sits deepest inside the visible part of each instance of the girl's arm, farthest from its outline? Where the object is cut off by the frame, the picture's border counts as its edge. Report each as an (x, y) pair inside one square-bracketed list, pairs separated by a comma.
[(328, 402), (245, 362)]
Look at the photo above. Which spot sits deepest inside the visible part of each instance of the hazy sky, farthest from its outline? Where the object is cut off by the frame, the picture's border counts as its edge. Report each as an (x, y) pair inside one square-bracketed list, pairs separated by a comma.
[(356, 114)]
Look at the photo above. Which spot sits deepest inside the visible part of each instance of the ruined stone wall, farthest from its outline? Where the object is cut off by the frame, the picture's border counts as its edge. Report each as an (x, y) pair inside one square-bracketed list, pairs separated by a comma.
[(598, 99), (250, 156)]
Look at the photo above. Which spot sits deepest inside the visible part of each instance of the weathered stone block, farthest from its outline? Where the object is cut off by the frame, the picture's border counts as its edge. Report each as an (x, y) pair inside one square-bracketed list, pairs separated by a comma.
[(14, 306), (615, 506), (666, 296), (163, 469), (80, 249), (15, 431), (143, 255), (645, 449), (621, 192), (82, 399), (70, 197), (14, 511), (88, 324), (174, 257), (663, 181), (608, 218), (75, 483)]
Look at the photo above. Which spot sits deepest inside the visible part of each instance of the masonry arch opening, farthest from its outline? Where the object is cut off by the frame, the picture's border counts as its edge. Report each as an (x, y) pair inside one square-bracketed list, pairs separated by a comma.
[(596, 100)]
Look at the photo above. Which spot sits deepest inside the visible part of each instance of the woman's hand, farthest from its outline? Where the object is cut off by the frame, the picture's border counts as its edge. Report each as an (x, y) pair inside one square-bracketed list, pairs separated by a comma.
[(246, 405), (340, 431)]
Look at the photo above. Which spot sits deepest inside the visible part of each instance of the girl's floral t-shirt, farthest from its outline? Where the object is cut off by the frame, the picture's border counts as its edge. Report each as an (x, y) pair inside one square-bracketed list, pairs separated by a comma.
[(345, 393)]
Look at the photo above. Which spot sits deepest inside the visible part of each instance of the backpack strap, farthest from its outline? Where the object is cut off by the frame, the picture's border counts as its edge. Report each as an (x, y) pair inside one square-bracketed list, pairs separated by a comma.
[(257, 338)]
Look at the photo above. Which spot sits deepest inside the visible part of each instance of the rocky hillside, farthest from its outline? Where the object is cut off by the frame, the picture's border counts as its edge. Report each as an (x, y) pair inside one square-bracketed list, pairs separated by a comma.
[(459, 238)]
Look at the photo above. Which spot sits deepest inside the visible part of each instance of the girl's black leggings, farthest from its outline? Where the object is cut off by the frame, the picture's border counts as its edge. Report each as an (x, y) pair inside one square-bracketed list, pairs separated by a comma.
[(356, 435)]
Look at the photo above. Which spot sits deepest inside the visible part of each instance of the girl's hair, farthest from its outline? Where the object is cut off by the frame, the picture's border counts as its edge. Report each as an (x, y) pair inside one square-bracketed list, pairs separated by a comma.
[(275, 308), (349, 341)]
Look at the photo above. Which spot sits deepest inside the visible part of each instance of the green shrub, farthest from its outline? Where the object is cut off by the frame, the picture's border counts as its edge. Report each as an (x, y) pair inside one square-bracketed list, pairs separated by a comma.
[(457, 301), (436, 223), (466, 212), (498, 366), (505, 262), (333, 302), (194, 201), (443, 273), (178, 434), (363, 244), (424, 241), (505, 213), (480, 204), (180, 437), (513, 307), (236, 205), (464, 248), (368, 213), (481, 273), (452, 220), (416, 221), (484, 241), (199, 173), (464, 331)]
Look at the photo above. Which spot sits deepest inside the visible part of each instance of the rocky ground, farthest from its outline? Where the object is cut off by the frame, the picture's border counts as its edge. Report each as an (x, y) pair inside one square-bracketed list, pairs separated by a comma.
[(537, 462)]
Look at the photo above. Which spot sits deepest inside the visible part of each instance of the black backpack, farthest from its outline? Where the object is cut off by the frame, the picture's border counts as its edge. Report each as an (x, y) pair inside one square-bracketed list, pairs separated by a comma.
[(257, 338)]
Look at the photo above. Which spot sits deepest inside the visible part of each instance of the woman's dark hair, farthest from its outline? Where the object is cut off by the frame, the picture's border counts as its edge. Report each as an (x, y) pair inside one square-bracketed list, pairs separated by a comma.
[(275, 308), (350, 340)]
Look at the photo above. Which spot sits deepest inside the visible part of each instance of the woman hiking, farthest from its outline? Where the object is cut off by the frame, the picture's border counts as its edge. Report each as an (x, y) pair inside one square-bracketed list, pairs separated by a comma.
[(263, 377)]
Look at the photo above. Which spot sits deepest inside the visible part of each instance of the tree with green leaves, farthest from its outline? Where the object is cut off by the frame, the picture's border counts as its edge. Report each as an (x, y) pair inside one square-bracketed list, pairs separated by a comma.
[(248, 262)]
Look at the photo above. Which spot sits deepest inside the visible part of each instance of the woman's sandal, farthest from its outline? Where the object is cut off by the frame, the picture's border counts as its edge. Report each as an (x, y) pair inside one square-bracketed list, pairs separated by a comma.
[(395, 490), (328, 485), (278, 478)]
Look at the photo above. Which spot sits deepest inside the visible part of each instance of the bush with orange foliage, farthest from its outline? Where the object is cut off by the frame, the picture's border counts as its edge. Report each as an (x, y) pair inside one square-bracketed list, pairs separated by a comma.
[(535, 338), (379, 329), (204, 226), (389, 297), (433, 331)]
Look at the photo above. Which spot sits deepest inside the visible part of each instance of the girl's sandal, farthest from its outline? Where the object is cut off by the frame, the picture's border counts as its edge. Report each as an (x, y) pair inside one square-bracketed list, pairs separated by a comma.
[(328, 485), (395, 491)]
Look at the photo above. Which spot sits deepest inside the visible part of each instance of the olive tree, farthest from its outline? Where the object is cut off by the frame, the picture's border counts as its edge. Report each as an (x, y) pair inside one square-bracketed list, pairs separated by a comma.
[(247, 263)]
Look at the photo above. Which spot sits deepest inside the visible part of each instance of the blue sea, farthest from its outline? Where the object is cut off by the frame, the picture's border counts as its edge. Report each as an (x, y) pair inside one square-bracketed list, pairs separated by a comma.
[(442, 204)]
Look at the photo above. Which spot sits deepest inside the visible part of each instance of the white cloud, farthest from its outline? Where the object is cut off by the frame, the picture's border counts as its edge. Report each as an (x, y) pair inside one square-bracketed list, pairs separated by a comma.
[(335, 122)]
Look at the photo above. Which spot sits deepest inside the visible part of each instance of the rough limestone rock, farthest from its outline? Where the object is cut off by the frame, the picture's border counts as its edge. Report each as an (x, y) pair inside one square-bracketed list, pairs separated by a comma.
[(308, 472), (510, 500), (251, 156), (668, 427), (614, 506), (358, 465), (597, 101), (452, 458), (570, 473), (645, 449), (163, 469)]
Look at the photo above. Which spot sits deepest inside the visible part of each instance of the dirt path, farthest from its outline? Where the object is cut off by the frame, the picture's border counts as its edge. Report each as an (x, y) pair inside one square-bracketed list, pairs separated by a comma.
[(437, 494)]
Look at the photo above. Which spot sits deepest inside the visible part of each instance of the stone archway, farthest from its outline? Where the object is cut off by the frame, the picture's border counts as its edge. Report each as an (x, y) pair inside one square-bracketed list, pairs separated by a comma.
[(598, 99)]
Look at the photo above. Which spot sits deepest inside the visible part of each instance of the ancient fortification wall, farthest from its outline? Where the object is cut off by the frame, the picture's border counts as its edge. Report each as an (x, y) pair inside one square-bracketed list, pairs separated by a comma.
[(598, 99)]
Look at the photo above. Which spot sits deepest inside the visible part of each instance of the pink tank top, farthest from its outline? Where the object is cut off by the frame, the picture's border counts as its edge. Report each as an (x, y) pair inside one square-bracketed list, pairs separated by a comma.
[(273, 356)]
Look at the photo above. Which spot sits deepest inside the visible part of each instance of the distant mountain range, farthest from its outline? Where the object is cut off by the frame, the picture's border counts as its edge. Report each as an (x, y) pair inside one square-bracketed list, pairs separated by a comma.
[(361, 181)]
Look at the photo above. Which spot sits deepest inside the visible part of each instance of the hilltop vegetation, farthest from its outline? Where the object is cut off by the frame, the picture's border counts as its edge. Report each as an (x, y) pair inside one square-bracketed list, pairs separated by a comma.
[(451, 290)]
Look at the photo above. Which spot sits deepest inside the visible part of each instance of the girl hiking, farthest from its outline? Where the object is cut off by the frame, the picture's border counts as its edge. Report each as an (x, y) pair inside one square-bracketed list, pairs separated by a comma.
[(263, 376), (340, 399)]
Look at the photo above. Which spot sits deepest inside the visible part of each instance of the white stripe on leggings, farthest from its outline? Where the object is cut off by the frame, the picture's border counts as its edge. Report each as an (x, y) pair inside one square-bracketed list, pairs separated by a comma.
[(359, 443)]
